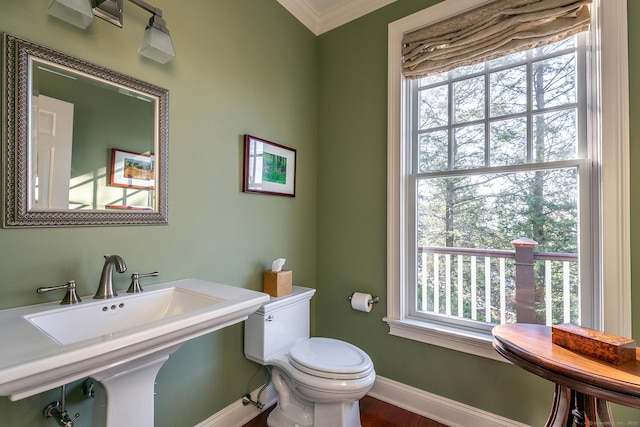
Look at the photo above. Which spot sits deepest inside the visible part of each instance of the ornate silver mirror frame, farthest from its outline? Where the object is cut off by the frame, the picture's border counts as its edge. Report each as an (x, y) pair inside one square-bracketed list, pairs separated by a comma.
[(18, 56)]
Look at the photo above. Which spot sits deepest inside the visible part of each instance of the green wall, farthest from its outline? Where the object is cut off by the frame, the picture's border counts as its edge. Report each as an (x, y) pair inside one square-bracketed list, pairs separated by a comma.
[(247, 66), (242, 67), (351, 214)]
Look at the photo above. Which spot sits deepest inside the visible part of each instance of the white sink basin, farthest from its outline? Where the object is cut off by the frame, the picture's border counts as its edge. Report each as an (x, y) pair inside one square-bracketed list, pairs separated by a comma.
[(48, 345), (82, 322)]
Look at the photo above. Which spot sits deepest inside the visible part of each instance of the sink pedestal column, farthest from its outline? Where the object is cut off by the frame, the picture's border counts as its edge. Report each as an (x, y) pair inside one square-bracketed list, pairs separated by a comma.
[(128, 396)]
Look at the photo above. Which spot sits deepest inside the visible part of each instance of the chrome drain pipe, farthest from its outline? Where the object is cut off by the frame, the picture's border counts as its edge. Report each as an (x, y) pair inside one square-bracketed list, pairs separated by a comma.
[(88, 388), (57, 411), (246, 399)]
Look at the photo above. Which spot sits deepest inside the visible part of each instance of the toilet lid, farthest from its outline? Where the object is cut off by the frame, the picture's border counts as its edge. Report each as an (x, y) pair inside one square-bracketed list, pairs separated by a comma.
[(322, 356)]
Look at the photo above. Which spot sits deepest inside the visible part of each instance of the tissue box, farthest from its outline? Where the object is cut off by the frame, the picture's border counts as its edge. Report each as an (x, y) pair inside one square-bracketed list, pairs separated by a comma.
[(278, 283)]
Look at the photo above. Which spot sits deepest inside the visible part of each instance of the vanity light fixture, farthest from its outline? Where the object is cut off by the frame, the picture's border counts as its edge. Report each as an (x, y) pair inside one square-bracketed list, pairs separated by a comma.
[(75, 12), (156, 42)]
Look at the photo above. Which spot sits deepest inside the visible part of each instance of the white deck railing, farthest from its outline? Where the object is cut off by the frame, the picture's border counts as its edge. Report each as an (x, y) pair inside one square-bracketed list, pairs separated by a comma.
[(525, 286)]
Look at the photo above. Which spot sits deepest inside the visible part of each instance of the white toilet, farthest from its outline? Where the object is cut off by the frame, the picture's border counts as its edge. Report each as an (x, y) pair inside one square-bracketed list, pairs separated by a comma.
[(319, 380)]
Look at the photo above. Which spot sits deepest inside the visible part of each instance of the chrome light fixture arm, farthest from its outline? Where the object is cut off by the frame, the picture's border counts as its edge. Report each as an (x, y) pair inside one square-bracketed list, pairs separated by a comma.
[(147, 7)]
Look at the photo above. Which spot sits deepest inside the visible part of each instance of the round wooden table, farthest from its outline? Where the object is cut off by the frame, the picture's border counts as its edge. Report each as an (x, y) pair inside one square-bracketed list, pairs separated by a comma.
[(584, 385)]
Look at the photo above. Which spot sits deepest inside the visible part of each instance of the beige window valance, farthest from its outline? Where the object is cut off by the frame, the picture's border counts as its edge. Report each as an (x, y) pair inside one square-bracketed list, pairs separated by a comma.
[(498, 29)]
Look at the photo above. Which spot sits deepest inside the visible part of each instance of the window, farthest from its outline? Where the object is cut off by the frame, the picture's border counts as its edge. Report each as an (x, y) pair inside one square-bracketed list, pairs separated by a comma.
[(461, 141), (499, 152)]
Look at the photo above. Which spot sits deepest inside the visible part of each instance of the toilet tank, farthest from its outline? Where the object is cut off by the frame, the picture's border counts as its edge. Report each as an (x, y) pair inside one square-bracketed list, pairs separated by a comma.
[(277, 325)]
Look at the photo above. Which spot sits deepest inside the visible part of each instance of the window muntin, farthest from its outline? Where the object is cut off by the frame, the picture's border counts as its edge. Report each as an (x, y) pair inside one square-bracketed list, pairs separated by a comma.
[(483, 133)]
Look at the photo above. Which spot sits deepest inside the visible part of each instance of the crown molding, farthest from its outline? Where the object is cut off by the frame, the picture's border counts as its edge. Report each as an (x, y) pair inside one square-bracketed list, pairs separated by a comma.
[(321, 22)]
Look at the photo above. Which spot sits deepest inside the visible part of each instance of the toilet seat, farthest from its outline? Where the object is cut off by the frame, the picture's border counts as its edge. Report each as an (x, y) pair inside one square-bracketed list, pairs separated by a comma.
[(330, 358)]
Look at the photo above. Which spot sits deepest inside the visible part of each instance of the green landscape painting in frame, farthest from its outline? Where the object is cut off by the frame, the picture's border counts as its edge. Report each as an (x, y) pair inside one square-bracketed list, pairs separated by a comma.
[(269, 168)]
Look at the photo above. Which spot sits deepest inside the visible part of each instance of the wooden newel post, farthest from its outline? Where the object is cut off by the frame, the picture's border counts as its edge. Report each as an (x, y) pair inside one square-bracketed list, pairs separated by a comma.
[(525, 284)]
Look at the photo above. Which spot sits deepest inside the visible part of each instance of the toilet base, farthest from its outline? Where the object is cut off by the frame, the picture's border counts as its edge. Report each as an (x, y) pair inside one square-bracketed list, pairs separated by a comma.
[(344, 414), (293, 411), (279, 418), (289, 411)]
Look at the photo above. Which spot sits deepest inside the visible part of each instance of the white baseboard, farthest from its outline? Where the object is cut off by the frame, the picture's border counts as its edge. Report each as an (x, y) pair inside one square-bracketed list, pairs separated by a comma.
[(236, 414), (437, 408)]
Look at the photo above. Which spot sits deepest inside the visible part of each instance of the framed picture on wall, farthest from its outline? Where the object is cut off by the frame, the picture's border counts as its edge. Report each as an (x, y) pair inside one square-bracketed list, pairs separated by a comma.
[(269, 168), (133, 170)]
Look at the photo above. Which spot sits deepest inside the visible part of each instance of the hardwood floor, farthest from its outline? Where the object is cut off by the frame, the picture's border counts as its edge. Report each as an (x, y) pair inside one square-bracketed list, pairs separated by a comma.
[(373, 413)]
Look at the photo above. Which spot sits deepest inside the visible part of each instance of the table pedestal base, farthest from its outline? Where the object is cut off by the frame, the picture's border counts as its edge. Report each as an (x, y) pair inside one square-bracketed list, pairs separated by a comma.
[(574, 408)]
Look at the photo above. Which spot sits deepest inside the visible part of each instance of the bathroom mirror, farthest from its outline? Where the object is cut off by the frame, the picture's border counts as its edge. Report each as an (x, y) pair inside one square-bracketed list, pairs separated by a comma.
[(82, 145)]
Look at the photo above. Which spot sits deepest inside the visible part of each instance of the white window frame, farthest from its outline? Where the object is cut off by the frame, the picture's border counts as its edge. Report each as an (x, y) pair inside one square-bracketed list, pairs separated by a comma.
[(612, 127)]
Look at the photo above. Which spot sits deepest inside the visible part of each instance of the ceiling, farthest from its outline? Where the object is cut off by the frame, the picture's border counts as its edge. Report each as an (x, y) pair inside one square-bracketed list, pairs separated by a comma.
[(321, 16)]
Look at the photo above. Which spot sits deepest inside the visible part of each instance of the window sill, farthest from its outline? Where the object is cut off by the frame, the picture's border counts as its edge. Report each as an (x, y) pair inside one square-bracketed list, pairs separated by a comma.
[(456, 339)]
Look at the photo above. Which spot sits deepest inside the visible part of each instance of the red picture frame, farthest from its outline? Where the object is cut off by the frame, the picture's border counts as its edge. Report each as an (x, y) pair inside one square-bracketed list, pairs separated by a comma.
[(132, 170)]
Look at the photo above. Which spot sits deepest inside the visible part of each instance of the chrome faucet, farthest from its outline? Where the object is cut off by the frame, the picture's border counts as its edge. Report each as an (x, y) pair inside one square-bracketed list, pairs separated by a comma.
[(105, 287)]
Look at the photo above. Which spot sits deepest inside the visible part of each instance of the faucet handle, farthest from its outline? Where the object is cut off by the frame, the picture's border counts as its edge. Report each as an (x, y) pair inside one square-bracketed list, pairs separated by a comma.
[(135, 287), (71, 297)]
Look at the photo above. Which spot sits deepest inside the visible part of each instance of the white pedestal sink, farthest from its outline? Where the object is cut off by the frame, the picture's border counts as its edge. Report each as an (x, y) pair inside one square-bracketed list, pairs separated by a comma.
[(121, 342), (117, 407)]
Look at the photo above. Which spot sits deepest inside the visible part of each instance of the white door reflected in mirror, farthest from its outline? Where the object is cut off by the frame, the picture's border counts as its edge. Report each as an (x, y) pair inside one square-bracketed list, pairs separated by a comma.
[(52, 142)]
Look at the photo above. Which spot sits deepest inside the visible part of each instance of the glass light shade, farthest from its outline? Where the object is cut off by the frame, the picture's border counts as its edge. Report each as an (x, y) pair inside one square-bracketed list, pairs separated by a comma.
[(156, 45), (75, 12)]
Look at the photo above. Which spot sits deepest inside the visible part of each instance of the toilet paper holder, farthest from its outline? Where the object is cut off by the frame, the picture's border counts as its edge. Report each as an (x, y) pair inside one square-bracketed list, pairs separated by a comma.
[(373, 300)]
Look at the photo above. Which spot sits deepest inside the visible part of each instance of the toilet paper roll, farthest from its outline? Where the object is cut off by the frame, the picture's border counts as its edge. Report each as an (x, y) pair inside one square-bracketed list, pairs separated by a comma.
[(360, 302)]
